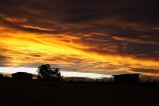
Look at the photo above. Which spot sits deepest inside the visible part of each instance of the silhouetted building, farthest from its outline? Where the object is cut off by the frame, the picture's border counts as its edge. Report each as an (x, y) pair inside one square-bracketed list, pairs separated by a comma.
[(22, 76), (126, 78)]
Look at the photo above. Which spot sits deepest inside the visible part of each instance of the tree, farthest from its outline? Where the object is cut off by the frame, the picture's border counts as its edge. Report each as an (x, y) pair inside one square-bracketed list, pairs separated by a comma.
[(1, 77), (48, 73)]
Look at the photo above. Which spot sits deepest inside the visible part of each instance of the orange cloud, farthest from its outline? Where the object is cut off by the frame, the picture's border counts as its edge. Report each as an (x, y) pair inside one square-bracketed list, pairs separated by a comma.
[(15, 20), (24, 48)]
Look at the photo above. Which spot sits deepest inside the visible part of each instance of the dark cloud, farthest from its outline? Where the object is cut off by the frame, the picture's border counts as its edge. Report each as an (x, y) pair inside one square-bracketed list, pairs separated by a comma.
[(149, 71), (128, 27), (3, 61)]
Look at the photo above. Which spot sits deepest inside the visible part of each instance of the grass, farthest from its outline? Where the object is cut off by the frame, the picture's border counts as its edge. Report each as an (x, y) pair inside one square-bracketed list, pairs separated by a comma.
[(51, 93)]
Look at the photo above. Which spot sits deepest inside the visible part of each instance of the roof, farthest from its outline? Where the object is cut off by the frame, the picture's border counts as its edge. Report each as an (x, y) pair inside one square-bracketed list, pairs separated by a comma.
[(21, 73), (127, 74)]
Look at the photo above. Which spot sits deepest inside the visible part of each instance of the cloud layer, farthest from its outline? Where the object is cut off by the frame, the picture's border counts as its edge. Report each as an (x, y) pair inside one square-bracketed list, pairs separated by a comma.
[(105, 36)]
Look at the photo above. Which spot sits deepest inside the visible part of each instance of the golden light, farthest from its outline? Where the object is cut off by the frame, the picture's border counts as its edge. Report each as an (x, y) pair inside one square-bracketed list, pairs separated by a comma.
[(21, 48)]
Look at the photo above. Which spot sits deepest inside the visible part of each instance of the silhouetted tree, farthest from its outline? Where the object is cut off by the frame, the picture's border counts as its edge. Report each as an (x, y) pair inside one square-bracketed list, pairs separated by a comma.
[(1, 77), (48, 73)]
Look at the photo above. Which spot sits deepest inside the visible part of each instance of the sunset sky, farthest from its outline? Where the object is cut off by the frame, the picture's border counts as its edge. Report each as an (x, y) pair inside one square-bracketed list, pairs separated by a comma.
[(95, 36)]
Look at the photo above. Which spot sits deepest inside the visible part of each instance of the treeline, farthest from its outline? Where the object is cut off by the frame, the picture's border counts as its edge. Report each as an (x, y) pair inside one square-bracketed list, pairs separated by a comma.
[(45, 72)]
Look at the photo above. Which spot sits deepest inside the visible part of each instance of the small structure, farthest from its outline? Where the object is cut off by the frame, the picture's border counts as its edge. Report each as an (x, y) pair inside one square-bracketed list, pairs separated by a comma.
[(22, 76), (126, 78)]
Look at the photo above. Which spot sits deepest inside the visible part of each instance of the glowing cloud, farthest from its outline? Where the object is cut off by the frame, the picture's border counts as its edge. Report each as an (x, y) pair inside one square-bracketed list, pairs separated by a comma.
[(24, 48), (81, 36)]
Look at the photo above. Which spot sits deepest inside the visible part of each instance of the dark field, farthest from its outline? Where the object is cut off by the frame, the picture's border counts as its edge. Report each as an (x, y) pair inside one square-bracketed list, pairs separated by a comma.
[(47, 93)]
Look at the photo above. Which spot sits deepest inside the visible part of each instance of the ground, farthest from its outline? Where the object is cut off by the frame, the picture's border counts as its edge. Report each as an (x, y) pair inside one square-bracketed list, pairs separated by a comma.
[(49, 93)]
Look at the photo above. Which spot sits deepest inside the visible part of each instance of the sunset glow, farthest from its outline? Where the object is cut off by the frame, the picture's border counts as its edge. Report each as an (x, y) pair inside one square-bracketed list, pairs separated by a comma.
[(40, 37)]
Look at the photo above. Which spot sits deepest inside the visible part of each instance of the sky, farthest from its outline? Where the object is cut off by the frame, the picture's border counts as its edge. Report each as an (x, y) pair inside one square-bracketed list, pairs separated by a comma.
[(97, 36), (67, 74)]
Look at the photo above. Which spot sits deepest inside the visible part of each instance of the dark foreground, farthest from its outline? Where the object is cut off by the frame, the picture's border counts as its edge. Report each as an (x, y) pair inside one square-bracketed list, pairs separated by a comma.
[(43, 93)]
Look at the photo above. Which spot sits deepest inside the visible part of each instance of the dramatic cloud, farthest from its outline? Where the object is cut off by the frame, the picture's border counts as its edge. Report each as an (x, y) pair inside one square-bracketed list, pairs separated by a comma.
[(106, 36)]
